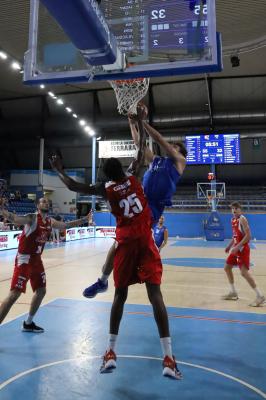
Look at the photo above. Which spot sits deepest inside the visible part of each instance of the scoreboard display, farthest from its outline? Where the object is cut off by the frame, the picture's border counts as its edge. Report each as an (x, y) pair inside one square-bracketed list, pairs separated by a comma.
[(213, 149), (176, 28)]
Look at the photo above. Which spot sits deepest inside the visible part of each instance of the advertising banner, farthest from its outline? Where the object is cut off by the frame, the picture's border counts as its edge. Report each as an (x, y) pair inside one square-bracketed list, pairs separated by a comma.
[(105, 231), (9, 240)]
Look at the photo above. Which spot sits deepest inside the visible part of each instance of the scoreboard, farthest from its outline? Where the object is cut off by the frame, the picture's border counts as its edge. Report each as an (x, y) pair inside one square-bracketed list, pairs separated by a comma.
[(173, 27), (213, 149)]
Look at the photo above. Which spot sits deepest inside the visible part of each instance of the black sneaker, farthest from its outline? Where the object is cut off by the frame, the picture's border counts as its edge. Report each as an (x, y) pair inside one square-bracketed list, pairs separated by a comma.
[(31, 328)]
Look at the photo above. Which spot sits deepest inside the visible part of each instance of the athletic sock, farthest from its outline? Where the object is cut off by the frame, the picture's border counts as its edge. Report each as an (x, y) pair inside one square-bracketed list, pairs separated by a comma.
[(29, 319), (258, 292), (233, 289), (104, 278), (166, 346), (111, 342)]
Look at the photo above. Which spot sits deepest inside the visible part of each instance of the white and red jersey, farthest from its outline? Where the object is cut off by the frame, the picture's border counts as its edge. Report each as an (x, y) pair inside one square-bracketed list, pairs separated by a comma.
[(34, 236), (238, 232), (129, 205)]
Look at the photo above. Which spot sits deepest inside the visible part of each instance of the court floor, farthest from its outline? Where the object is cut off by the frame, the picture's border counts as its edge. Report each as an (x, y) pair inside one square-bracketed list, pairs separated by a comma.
[(220, 345)]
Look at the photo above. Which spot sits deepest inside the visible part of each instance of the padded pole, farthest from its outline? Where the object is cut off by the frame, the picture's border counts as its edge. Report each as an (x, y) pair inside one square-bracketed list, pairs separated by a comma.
[(85, 25)]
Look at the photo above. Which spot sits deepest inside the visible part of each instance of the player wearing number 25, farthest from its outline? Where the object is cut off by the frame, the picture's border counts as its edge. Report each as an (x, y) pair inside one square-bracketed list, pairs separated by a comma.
[(28, 262), (136, 258)]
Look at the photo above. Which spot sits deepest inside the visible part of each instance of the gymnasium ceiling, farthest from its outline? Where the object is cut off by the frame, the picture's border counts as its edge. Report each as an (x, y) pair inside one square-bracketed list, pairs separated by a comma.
[(237, 96)]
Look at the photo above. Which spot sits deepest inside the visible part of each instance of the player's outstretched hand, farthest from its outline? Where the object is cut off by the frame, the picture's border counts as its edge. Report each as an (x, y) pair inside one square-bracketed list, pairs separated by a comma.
[(142, 110), (3, 202), (56, 163), (90, 218), (142, 113)]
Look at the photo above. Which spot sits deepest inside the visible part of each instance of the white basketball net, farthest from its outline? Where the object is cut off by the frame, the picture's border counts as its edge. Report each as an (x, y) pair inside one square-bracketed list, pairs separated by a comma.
[(129, 93)]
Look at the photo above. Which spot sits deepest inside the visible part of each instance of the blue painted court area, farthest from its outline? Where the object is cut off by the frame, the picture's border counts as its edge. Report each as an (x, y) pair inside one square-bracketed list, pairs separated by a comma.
[(203, 243), (221, 354), (195, 262)]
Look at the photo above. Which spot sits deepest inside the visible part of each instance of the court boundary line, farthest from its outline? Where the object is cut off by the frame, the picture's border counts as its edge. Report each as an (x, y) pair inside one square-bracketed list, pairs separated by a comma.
[(212, 370), (21, 315)]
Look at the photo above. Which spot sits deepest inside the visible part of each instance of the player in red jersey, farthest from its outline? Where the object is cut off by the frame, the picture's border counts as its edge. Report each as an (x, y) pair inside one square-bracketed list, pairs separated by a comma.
[(136, 259), (239, 254), (28, 262)]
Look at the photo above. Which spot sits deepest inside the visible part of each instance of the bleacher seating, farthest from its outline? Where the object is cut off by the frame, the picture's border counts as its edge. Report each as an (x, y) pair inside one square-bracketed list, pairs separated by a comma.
[(24, 206), (252, 199)]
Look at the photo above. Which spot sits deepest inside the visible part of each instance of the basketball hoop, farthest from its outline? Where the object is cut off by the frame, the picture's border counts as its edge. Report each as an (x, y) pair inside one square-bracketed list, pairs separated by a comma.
[(129, 93)]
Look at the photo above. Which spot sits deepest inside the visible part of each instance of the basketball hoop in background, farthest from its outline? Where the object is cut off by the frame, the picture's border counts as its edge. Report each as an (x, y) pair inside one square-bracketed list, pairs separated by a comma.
[(129, 93)]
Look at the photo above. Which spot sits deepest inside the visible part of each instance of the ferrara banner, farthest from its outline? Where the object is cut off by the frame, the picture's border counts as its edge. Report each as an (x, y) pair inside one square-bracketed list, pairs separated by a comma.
[(117, 148)]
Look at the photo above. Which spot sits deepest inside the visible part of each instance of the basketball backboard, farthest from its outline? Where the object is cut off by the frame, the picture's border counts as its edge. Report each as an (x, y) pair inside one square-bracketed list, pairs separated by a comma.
[(157, 38)]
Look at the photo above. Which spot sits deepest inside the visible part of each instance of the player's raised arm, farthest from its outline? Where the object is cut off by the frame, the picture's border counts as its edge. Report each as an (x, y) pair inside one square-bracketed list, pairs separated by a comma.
[(14, 218), (133, 124), (73, 185), (66, 225), (175, 151)]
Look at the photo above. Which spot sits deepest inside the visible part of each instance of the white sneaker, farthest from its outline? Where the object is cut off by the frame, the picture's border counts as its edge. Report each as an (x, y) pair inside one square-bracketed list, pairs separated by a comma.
[(230, 296), (109, 362), (170, 369), (258, 301)]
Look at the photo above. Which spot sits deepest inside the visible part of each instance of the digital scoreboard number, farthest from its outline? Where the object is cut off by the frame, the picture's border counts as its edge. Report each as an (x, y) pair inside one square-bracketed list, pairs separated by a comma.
[(173, 27), (182, 27), (213, 149)]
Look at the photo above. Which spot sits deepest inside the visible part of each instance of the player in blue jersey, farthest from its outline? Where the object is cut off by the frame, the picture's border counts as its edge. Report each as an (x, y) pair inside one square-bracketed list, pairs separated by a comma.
[(159, 183), (161, 178), (160, 233)]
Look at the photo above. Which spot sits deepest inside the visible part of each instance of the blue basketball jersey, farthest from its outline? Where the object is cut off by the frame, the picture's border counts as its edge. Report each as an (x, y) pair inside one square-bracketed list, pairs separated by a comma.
[(158, 234), (159, 183)]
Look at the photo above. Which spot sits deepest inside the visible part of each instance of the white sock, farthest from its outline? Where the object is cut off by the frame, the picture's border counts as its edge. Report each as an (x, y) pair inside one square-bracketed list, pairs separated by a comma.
[(233, 289), (166, 346), (258, 292), (111, 342), (104, 278), (29, 319)]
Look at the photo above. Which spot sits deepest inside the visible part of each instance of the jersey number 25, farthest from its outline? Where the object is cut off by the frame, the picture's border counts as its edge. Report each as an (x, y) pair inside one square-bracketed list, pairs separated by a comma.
[(131, 203)]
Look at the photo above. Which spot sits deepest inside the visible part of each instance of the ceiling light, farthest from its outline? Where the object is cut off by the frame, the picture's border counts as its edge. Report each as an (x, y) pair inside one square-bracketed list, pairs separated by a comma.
[(68, 109), (3, 55), (15, 65), (89, 130), (82, 122), (99, 138), (42, 86), (51, 94), (60, 102), (75, 115)]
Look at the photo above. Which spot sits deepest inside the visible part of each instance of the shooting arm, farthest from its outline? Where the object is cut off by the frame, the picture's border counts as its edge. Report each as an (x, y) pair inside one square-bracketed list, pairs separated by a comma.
[(133, 124), (170, 151)]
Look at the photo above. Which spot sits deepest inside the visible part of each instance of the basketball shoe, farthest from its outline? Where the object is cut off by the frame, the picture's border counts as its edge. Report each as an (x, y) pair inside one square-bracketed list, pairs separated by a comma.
[(109, 362)]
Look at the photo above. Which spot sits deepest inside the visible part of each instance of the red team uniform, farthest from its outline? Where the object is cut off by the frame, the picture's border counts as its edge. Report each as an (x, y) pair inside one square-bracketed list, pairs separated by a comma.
[(28, 263), (137, 258), (243, 255)]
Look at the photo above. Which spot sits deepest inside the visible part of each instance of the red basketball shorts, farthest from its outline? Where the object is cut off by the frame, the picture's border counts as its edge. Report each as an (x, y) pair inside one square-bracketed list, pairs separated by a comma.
[(137, 261), (28, 268), (240, 259)]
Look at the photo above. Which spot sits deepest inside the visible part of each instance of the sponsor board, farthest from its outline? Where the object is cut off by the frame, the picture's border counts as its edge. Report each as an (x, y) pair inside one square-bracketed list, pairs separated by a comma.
[(105, 231), (9, 240), (117, 148), (79, 233)]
